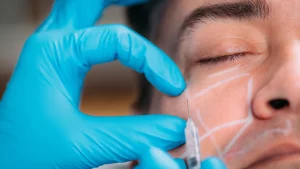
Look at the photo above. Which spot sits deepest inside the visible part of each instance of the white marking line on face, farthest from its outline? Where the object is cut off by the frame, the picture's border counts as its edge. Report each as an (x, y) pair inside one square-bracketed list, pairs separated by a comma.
[(283, 131), (220, 83), (221, 127), (249, 119), (289, 127), (224, 71), (211, 137), (237, 136)]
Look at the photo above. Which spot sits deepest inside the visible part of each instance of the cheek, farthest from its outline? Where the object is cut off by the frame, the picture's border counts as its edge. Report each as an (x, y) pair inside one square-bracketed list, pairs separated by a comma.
[(219, 111)]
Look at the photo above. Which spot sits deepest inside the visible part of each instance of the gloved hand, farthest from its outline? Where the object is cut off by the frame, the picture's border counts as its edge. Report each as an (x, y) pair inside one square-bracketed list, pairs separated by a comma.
[(159, 159), (41, 125)]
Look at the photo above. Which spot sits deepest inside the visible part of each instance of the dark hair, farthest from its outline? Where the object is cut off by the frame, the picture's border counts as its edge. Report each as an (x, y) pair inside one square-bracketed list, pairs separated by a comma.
[(139, 18)]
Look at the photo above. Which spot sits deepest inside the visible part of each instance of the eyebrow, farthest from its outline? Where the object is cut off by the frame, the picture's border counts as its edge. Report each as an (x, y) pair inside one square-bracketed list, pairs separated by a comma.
[(244, 10)]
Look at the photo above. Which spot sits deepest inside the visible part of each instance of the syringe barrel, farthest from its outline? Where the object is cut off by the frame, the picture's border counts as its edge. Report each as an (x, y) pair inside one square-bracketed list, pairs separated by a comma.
[(192, 146)]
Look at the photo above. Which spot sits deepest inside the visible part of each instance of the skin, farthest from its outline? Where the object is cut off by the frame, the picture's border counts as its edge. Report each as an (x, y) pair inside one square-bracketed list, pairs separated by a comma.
[(236, 94)]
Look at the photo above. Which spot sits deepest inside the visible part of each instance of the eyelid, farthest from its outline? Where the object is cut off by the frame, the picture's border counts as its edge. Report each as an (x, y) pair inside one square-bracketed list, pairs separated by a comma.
[(221, 59)]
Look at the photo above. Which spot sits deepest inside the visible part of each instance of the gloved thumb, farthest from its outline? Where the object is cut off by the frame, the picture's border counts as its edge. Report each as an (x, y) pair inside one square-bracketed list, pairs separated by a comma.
[(109, 140)]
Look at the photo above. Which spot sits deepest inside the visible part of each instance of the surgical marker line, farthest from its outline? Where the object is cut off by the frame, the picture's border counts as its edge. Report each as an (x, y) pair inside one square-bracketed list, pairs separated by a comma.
[(211, 137), (221, 127), (284, 131), (250, 118), (220, 83), (224, 71)]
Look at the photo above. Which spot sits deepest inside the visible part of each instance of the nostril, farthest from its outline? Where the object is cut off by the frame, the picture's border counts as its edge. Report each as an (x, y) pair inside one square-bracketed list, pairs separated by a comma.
[(279, 103)]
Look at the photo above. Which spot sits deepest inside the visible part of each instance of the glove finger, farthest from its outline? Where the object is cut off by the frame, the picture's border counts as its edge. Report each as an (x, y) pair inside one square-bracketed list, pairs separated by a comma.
[(72, 14), (78, 14), (212, 163), (159, 159), (121, 139), (110, 42)]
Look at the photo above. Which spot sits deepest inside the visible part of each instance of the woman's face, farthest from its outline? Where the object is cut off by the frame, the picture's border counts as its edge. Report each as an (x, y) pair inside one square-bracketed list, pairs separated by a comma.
[(241, 61)]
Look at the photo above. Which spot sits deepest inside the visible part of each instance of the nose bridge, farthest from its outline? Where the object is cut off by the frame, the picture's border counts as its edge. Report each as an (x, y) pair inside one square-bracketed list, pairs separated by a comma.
[(286, 76)]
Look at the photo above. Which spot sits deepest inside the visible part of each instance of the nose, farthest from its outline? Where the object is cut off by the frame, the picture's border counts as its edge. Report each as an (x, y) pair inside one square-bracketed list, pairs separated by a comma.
[(281, 92)]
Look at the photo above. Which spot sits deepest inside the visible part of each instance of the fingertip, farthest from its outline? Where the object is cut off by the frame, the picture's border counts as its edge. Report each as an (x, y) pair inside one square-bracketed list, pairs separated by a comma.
[(163, 72), (141, 55), (213, 162), (178, 83), (174, 127), (177, 121), (171, 122), (168, 130)]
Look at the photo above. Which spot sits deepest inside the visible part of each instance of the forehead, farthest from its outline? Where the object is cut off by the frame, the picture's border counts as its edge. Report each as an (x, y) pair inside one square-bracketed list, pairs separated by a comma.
[(282, 12)]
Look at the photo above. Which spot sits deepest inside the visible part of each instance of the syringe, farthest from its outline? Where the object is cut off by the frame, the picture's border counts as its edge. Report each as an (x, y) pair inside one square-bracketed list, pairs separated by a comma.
[(192, 143)]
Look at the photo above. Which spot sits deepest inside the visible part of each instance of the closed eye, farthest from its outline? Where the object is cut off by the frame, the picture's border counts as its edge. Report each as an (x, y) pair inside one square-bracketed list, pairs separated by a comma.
[(221, 59)]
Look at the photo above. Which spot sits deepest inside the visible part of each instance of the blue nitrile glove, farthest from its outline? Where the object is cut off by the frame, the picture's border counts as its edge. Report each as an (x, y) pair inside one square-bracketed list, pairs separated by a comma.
[(159, 159), (41, 126)]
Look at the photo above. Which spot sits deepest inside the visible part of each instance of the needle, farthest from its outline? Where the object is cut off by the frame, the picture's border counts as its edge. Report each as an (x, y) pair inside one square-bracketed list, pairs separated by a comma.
[(188, 106)]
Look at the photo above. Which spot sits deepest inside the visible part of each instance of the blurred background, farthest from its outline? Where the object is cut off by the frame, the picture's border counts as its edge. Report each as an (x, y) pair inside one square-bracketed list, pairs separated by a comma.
[(106, 85)]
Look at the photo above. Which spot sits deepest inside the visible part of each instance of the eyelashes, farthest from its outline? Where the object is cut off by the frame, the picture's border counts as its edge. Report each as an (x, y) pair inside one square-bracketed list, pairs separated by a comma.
[(221, 59)]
